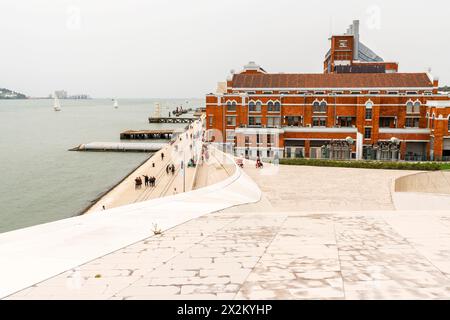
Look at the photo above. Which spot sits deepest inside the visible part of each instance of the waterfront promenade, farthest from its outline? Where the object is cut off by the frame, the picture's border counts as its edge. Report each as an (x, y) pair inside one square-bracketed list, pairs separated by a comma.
[(315, 233), (185, 147)]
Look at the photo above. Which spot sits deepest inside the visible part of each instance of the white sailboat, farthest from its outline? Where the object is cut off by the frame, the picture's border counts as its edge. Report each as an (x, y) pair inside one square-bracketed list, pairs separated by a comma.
[(116, 104), (56, 104)]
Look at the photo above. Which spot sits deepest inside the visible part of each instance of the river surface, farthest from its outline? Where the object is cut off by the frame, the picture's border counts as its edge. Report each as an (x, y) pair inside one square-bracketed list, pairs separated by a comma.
[(40, 180)]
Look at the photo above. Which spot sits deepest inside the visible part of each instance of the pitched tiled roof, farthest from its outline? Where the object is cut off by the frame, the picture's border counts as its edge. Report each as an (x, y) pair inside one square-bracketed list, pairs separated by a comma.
[(332, 80)]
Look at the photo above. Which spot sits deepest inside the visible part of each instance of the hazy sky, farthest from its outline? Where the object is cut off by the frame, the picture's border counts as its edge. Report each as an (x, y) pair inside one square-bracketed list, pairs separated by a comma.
[(182, 48)]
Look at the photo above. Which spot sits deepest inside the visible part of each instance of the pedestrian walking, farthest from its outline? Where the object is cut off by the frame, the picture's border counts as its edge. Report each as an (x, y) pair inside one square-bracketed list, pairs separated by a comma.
[(162, 155)]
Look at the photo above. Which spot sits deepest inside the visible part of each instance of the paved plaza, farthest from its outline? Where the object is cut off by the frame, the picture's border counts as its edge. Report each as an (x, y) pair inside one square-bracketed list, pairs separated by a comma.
[(317, 233)]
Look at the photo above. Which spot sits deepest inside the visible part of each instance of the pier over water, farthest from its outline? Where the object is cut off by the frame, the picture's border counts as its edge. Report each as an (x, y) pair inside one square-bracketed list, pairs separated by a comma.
[(147, 134), (120, 147), (171, 120)]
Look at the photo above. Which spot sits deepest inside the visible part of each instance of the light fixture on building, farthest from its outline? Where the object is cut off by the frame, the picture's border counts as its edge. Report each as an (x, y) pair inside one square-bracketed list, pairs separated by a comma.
[(395, 140)]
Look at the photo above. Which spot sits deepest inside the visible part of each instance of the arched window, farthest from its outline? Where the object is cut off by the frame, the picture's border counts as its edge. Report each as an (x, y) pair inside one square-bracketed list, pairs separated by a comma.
[(409, 107), (251, 106), (258, 106), (270, 106), (369, 106), (277, 106), (231, 105), (319, 107), (416, 107), (316, 106)]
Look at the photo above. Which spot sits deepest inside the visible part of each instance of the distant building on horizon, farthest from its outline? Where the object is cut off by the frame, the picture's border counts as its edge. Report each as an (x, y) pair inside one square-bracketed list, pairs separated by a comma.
[(61, 94), (360, 107)]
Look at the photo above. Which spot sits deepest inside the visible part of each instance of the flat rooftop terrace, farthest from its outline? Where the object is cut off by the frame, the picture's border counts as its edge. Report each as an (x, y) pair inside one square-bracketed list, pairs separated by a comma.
[(316, 233)]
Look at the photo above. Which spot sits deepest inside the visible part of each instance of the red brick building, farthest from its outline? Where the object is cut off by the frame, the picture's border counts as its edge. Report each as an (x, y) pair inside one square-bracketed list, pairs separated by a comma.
[(359, 107)]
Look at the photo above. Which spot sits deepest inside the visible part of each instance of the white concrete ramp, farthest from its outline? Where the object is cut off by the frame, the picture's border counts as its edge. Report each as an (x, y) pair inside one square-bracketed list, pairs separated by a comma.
[(31, 255)]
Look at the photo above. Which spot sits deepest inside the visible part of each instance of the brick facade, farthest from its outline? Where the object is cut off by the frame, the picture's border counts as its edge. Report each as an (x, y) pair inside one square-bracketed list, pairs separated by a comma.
[(303, 111)]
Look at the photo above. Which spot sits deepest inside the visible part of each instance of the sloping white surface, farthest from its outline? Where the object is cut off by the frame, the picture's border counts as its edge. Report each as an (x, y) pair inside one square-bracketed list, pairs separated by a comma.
[(31, 255), (421, 201)]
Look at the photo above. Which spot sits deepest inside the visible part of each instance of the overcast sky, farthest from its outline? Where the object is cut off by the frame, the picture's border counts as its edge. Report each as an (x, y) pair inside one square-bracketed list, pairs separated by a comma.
[(182, 48)]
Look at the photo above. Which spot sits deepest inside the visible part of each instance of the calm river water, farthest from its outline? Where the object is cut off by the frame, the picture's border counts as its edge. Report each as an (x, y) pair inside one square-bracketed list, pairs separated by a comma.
[(40, 181)]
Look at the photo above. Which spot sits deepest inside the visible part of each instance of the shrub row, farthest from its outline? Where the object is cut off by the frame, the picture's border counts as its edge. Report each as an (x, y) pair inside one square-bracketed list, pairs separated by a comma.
[(426, 166)]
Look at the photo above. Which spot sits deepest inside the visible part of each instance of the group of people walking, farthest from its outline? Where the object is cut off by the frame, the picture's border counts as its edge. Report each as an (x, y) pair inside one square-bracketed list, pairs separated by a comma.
[(148, 182)]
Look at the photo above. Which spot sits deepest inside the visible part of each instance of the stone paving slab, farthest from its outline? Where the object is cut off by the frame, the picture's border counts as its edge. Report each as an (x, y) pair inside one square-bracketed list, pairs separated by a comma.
[(290, 255)]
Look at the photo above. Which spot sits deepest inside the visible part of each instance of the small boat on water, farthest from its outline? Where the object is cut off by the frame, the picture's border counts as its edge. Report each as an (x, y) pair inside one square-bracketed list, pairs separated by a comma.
[(116, 104), (56, 104)]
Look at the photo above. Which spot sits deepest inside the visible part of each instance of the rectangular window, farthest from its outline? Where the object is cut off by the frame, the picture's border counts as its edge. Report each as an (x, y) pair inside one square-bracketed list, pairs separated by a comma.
[(374, 92), (254, 121), (230, 134), (273, 121), (211, 120), (284, 92), (294, 121), (231, 121), (267, 92), (368, 114), (345, 121), (412, 123), (385, 122), (392, 92), (367, 133), (247, 140), (269, 138), (355, 92), (258, 139), (319, 92), (319, 122)]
